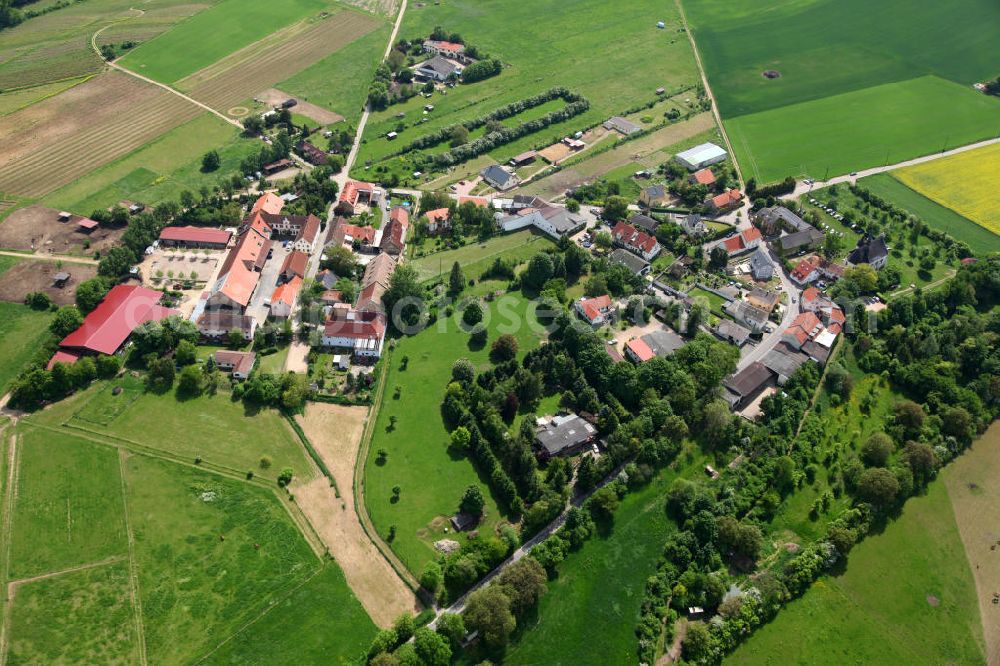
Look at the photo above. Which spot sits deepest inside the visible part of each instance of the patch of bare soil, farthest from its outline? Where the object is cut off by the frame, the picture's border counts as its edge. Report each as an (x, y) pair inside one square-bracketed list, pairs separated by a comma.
[(335, 433), (973, 483), (274, 97), (38, 229), (27, 276)]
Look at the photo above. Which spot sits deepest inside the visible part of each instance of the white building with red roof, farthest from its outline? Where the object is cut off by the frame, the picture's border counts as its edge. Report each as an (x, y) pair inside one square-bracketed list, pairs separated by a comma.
[(354, 194), (634, 240), (284, 297), (595, 310), (201, 237), (361, 331), (438, 220), (746, 240)]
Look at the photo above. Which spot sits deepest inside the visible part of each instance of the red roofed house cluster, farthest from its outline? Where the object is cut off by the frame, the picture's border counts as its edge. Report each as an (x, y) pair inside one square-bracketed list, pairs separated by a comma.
[(355, 193), (639, 242), (241, 268), (813, 267), (595, 310), (814, 331), (725, 202), (107, 327)]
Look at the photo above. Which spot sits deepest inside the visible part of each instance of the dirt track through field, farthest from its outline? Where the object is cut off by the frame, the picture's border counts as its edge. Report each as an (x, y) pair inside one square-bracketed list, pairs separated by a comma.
[(973, 483), (335, 433), (273, 59), (49, 144)]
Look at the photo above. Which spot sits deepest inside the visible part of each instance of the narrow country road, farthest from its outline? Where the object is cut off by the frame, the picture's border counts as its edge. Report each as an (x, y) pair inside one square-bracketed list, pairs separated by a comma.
[(129, 72)]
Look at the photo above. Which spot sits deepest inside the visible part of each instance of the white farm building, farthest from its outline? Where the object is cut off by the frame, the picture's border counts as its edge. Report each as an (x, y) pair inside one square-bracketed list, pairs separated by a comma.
[(701, 156)]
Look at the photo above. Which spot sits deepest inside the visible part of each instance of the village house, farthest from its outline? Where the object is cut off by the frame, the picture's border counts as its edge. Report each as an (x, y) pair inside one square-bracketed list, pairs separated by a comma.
[(438, 220), (871, 251), (195, 237), (662, 343), (692, 225), (375, 282), (556, 221), (499, 178), (438, 69), (814, 267), (635, 264), (217, 325), (752, 317), (311, 153), (746, 240), (731, 332), (303, 229), (763, 299), (775, 219), (344, 234), (644, 222), (294, 265), (284, 297), (725, 202), (563, 435), (761, 267), (702, 177), (446, 49), (361, 331), (240, 271), (797, 242), (394, 233), (743, 387), (354, 195), (625, 235), (621, 125), (239, 363), (597, 311), (654, 196)]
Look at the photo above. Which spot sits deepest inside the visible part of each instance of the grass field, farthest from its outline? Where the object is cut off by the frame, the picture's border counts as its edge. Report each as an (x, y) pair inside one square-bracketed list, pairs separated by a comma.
[(855, 78), (547, 48), (882, 610), (937, 216), (23, 332), (160, 170), (320, 622), (478, 256), (83, 617), (336, 82), (212, 553), (827, 48), (863, 128), (213, 34), (69, 509), (600, 586), (214, 428), (966, 183), (431, 478)]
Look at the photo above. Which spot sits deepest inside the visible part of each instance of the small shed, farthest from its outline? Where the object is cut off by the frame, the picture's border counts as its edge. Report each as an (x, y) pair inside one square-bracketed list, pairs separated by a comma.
[(342, 361), (59, 280), (86, 225), (64, 216), (391, 135), (462, 521), (695, 611), (661, 25)]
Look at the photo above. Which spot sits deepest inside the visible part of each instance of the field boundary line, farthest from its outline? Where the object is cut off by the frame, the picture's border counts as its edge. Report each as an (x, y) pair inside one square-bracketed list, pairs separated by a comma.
[(129, 72), (49, 257), (708, 91), (359, 482), (133, 568), (264, 612), (302, 522), (10, 496), (113, 559)]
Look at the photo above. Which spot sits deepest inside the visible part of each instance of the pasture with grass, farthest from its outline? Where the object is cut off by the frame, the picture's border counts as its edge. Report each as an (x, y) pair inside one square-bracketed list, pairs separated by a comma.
[(808, 86), (23, 334)]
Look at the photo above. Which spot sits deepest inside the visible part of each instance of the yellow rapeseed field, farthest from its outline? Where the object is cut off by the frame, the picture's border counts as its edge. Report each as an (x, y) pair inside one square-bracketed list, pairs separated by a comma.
[(967, 183)]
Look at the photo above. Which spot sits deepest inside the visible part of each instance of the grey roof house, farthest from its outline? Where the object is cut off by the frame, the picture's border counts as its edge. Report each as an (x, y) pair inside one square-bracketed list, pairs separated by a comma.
[(563, 434), (872, 251), (499, 178), (633, 262), (761, 267)]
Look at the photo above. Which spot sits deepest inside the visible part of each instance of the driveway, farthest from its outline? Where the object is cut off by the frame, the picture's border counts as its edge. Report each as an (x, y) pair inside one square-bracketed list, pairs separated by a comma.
[(265, 285)]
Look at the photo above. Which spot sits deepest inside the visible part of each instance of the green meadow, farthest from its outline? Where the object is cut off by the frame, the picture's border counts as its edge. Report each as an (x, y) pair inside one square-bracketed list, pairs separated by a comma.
[(856, 78), (82, 617), (934, 214), (865, 128), (823, 48), (23, 333), (213, 34), (476, 257), (69, 509), (431, 478), (907, 596)]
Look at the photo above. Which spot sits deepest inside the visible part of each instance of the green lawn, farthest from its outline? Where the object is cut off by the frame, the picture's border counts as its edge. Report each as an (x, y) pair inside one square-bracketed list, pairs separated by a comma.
[(215, 428), (600, 588), (881, 610), (320, 622), (23, 333), (69, 507), (863, 128), (213, 34), (340, 81), (542, 45), (84, 617), (274, 363), (160, 170), (212, 553), (715, 302), (431, 478), (978, 238), (826, 48), (477, 256)]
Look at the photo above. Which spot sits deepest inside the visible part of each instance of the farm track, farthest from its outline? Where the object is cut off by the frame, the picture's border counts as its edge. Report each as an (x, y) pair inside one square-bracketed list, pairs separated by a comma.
[(253, 70), (10, 496), (133, 569)]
